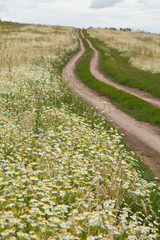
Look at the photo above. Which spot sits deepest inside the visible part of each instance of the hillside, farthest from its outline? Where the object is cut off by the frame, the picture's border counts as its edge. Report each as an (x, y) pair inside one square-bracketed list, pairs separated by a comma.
[(65, 171)]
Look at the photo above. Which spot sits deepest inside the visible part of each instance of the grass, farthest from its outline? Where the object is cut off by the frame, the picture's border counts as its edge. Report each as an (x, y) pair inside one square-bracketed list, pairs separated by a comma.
[(116, 64), (11, 26), (130, 104), (34, 42), (64, 171), (142, 48)]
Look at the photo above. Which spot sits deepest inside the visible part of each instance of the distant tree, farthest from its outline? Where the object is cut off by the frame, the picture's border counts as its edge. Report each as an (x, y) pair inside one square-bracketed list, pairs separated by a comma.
[(125, 29), (112, 28)]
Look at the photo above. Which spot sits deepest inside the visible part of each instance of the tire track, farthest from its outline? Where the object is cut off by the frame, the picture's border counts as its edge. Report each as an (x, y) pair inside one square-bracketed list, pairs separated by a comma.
[(101, 77), (138, 134)]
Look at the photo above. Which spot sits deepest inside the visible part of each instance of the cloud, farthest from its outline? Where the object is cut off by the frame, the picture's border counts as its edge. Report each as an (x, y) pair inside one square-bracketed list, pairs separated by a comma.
[(145, 4), (136, 14), (103, 3), (149, 4), (3, 8)]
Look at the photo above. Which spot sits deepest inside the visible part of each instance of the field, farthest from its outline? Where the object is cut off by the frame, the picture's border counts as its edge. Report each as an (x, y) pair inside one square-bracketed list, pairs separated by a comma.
[(143, 48), (64, 170), (129, 58), (128, 103)]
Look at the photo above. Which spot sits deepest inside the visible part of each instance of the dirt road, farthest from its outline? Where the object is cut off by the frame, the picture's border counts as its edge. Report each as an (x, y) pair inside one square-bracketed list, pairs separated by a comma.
[(134, 91), (142, 136)]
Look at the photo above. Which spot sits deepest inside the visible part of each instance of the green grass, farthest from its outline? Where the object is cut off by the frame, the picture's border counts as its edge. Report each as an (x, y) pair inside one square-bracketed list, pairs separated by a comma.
[(117, 65), (135, 107)]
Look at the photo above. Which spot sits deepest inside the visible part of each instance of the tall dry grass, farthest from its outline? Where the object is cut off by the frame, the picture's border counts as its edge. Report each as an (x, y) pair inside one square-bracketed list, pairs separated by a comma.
[(19, 46), (24, 49), (143, 48)]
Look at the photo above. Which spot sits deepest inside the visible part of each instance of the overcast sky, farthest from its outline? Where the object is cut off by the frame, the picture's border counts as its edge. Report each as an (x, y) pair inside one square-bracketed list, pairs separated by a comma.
[(135, 14)]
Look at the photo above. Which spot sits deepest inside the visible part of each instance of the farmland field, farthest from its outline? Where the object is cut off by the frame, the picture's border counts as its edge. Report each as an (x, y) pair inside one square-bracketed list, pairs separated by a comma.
[(132, 105), (143, 48), (64, 170), (129, 58)]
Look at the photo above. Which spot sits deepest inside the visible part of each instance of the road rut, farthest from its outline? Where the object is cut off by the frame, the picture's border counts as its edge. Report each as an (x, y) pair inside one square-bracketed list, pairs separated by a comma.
[(138, 134)]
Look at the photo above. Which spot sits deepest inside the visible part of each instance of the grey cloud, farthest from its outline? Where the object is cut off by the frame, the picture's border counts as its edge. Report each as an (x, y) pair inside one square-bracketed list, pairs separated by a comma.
[(103, 3)]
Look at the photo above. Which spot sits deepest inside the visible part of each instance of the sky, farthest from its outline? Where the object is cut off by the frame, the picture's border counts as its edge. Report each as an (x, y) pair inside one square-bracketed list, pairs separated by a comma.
[(135, 14)]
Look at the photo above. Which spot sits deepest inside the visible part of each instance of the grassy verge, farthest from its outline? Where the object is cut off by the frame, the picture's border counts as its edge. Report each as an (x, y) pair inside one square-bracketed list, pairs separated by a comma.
[(65, 174), (117, 65), (130, 104)]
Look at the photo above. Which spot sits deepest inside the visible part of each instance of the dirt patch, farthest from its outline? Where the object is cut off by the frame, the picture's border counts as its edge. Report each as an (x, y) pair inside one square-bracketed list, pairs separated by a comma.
[(142, 136)]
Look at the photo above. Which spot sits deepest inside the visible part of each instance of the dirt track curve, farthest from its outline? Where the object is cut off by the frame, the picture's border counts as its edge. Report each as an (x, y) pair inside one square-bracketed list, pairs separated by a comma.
[(134, 91), (142, 136)]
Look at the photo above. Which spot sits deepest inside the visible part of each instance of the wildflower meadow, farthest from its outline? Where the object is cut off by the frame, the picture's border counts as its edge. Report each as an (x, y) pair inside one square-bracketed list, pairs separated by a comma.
[(64, 171)]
